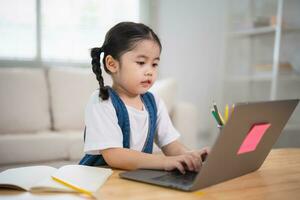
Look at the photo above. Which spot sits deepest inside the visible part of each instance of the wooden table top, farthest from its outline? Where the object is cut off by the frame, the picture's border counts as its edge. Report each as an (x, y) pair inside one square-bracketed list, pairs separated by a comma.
[(278, 178)]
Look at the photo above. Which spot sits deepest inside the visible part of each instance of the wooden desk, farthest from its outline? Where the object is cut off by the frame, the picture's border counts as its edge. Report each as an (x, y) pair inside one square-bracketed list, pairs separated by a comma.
[(278, 178)]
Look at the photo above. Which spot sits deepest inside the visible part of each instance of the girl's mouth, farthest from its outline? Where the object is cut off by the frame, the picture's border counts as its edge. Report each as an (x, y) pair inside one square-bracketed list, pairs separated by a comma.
[(146, 83)]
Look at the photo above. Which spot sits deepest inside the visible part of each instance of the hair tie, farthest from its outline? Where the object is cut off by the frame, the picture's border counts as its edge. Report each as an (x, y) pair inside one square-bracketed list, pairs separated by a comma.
[(101, 49)]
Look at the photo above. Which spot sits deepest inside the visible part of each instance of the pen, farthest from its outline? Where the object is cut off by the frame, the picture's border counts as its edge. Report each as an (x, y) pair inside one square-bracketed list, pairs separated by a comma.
[(218, 114), (221, 119), (216, 117), (215, 107)]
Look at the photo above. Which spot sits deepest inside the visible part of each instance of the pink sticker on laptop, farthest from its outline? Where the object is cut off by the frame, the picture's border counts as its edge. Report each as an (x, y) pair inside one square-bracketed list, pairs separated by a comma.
[(253, 137)]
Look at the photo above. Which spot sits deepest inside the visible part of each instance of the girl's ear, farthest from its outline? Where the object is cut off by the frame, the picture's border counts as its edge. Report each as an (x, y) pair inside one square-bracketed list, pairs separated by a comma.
[(111, 64)]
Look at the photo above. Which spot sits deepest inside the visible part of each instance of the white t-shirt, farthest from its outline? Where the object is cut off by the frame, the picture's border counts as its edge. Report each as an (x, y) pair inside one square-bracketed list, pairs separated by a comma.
[(103, 130)]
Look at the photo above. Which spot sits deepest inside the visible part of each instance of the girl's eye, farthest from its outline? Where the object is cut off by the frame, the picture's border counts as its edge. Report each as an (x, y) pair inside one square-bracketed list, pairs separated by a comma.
[(155, 65), (140, 63)]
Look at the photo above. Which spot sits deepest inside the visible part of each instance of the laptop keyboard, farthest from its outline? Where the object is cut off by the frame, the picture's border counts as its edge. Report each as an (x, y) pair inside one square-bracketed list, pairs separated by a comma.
[(177, 177)]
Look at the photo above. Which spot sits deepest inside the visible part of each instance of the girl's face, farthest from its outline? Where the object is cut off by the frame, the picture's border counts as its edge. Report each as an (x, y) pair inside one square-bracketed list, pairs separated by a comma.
[(137, 70)]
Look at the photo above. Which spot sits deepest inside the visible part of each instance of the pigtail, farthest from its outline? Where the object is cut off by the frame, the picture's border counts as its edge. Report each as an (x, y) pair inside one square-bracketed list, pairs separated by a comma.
[(95, 55)]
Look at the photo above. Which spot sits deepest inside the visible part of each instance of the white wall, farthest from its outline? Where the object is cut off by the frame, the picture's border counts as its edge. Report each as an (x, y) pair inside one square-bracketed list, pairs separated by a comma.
[(192, 34)]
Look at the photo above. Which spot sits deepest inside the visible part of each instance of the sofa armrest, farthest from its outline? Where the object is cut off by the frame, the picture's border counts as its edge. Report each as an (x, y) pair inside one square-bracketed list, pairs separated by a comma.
[(185, 118)]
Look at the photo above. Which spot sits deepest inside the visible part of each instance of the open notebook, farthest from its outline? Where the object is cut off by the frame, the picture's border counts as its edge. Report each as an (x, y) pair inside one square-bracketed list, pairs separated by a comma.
[(69, 178)]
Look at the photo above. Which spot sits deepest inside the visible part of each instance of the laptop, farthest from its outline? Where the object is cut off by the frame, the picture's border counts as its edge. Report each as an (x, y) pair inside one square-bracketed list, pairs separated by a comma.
[(241, 147)]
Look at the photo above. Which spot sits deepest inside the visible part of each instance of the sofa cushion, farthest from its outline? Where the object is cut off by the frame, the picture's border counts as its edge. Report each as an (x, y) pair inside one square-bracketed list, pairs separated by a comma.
[(24, 100), (166, 90), (33, 147), (75, 144), (70, 89)]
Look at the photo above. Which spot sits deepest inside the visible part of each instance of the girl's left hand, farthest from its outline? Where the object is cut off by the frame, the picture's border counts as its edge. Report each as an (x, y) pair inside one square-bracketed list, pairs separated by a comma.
[(199, 155)]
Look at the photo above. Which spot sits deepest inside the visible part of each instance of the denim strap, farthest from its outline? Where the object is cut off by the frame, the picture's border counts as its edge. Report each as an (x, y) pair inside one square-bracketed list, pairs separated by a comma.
[(123, 121)]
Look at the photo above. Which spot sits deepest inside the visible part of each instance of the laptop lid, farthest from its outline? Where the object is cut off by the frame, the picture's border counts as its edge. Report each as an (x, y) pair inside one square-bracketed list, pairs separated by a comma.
[(245, 141)]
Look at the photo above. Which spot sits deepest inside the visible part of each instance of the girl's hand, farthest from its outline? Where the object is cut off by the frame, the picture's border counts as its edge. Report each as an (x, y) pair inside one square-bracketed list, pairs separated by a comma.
[(182, 162), (199, 154), (198, 157)]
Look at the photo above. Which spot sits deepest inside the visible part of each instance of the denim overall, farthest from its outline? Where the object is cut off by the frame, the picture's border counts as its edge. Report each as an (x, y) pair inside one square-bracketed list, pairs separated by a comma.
[(123, 121)]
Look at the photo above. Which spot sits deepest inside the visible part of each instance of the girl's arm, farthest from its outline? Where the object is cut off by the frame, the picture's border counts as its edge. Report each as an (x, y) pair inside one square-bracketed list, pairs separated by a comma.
[(128, 159), (174, 149), (177, 148)]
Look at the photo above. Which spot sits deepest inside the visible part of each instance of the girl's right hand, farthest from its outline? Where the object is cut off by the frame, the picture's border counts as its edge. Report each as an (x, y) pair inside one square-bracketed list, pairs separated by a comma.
[(182, 162)]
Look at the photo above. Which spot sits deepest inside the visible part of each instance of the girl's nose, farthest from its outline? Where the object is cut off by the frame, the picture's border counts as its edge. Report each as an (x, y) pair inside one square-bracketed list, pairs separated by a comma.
[(149, 73)]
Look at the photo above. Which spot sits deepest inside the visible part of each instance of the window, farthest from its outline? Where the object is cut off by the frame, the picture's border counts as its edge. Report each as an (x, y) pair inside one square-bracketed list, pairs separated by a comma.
[(17, 29), (68, 28)]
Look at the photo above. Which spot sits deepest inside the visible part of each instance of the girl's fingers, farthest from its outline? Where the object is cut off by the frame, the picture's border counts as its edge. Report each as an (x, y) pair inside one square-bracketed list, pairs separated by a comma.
[(180, 167), (188, 161), (196, 162), (207, 149), (184, 163), (202, 154), (197, 155)]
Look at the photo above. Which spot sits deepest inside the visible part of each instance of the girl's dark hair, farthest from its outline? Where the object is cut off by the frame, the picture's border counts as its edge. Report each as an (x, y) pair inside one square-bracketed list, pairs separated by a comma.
[(118, 40)]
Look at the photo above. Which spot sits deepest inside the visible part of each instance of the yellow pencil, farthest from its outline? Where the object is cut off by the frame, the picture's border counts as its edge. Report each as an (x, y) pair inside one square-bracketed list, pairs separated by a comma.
[(76, 188), (226, 113), (231, 110)]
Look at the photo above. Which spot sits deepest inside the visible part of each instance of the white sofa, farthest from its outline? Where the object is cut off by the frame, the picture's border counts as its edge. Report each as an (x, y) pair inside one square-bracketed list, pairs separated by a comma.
[(42, 113)]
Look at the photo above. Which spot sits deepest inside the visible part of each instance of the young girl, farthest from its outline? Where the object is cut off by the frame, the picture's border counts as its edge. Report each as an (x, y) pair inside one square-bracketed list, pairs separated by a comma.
[(123, 121)]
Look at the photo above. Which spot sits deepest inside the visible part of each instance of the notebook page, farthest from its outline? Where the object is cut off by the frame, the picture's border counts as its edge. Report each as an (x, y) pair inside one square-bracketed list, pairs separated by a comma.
[(82, 178), (25, 177), (50, 185)]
